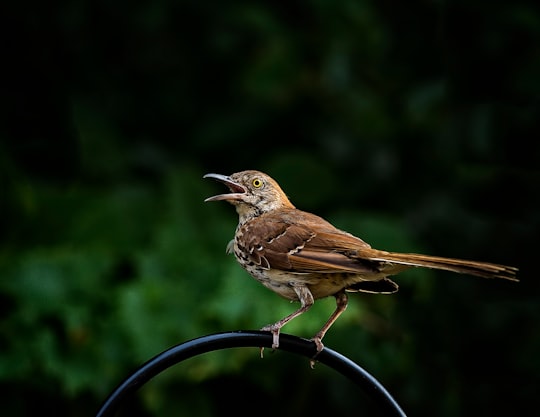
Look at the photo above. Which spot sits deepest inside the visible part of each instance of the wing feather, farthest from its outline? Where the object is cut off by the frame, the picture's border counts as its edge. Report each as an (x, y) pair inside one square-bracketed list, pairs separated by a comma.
[(281, 244)]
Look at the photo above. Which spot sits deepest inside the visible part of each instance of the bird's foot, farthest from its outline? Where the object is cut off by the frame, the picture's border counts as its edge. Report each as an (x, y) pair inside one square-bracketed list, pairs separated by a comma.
[(319, 344), (274, 329)]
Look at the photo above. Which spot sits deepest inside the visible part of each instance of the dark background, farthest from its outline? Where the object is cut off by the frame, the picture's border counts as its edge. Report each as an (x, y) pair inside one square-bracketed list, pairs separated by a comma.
[(413, 125)]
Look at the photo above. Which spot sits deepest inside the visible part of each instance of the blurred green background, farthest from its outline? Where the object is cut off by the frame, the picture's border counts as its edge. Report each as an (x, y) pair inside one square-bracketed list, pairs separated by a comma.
[(414, 125)]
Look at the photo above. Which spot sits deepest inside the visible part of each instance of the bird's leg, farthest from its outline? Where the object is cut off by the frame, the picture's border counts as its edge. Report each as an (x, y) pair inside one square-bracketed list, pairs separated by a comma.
[(306, 300), (341, 305)]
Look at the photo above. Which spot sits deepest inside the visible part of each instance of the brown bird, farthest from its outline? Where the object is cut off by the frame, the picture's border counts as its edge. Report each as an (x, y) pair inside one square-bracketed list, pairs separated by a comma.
[(302, 257)]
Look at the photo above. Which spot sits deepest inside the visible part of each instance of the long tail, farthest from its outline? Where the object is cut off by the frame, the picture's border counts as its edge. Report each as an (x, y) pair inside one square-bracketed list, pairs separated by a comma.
[(479, 269)]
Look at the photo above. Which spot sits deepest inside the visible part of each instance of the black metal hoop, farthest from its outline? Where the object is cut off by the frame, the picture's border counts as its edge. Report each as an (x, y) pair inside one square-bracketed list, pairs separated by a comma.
[(250, 338)]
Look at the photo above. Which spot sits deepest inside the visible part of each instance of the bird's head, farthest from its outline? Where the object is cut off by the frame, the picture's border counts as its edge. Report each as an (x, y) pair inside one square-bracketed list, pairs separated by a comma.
[(251, 192)]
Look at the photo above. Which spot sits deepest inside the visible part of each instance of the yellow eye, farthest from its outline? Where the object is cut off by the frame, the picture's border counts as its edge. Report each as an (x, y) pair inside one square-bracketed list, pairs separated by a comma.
[(257, 183)]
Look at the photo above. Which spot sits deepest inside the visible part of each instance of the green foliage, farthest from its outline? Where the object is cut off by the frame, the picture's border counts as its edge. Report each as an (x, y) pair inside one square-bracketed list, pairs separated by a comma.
[(411, 125)]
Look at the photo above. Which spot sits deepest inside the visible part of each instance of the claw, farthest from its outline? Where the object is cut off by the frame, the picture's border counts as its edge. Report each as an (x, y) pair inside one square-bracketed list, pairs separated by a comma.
[(320, 347), (274, 329)]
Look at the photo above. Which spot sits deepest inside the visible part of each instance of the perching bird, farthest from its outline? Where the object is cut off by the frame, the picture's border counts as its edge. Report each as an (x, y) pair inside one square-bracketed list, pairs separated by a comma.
[(302, 257)]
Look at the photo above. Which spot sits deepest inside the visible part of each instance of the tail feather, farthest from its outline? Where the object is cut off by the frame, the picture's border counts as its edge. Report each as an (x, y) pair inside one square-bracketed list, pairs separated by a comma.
[(479, 269)]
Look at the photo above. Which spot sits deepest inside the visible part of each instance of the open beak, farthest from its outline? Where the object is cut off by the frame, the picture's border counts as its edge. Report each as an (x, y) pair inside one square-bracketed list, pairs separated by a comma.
[(237, 191)]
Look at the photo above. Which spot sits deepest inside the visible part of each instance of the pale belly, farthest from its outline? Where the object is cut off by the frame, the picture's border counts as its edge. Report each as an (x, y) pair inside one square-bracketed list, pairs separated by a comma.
[(320, 285)]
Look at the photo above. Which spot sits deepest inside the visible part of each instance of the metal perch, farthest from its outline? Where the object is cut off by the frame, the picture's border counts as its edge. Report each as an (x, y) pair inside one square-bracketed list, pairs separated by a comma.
[(249, 338)]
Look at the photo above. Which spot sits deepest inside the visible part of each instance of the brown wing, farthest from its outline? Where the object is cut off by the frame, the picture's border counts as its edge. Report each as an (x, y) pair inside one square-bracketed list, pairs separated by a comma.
[(306, 246)]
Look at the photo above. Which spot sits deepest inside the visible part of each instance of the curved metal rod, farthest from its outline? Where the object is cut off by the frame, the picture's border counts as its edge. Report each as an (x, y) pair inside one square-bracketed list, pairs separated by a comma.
[(250, 338)]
